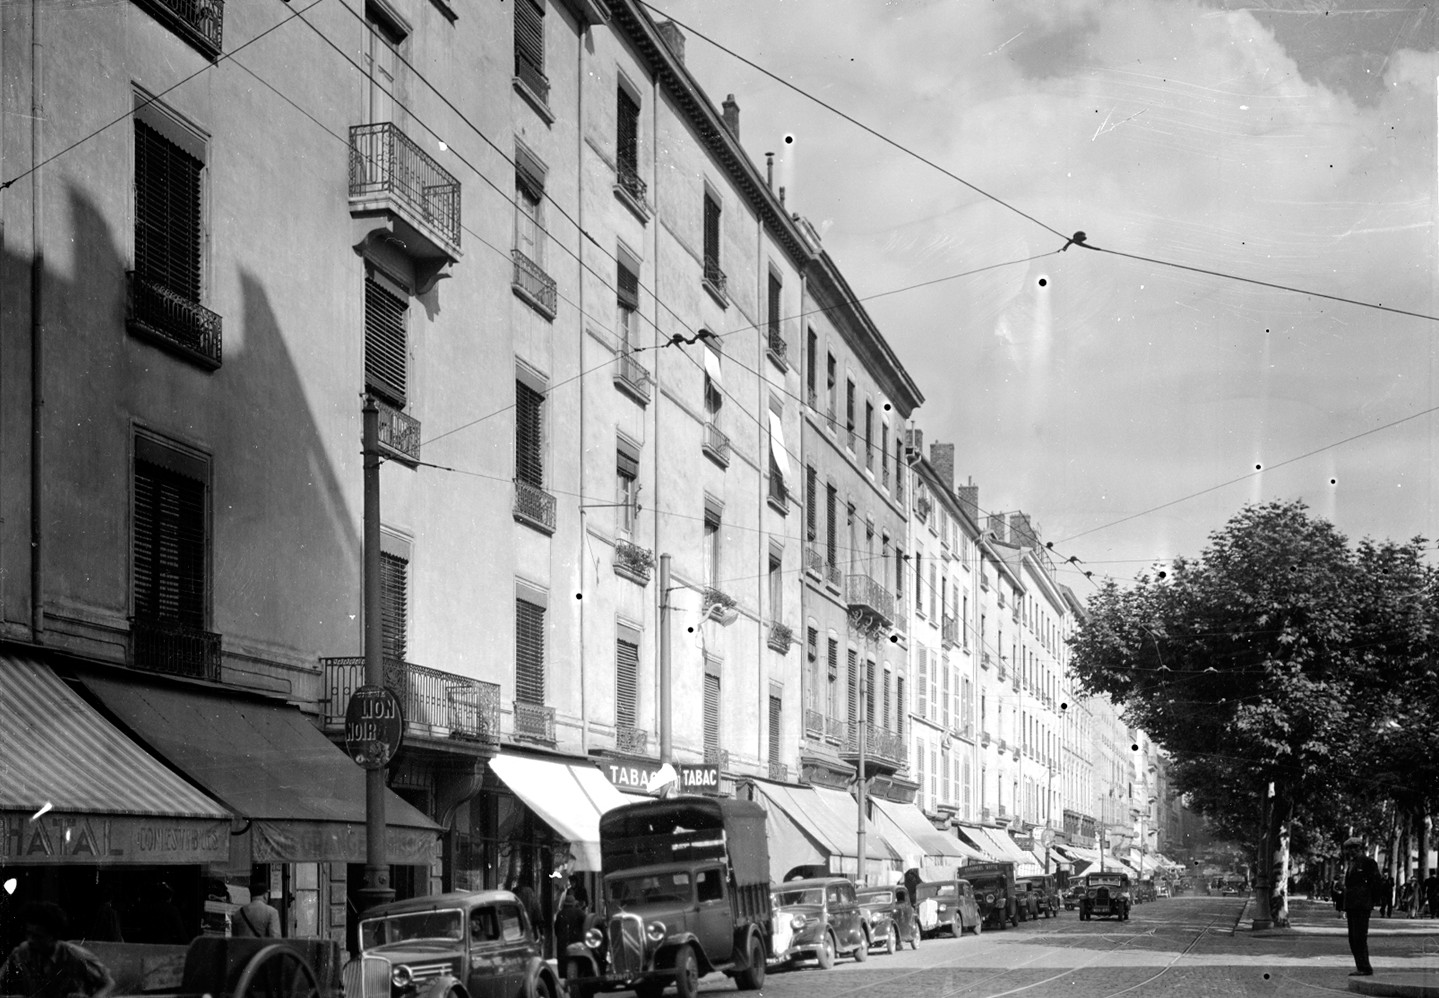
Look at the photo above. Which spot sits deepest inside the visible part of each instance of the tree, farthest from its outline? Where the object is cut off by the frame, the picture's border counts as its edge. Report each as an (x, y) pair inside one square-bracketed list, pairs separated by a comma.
[(1255, 666)]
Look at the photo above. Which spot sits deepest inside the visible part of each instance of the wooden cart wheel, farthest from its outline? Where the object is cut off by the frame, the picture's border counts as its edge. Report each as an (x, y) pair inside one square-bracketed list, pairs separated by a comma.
[(277, 971)]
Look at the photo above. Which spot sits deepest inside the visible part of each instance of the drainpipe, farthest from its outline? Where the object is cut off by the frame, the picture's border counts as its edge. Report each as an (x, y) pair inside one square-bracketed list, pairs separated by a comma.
[(580, 307), (37, 330), (664, 671)]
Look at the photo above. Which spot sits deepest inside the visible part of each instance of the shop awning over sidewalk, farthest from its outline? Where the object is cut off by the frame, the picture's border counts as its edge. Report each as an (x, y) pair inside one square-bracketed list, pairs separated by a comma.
[(825, 833), (75, 790), (906, 823), (303, 797), (569, 797), (996, 844)]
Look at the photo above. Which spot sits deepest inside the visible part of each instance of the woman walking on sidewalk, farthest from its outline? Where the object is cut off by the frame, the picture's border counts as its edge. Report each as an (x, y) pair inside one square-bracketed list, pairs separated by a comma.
[(1362, 885)]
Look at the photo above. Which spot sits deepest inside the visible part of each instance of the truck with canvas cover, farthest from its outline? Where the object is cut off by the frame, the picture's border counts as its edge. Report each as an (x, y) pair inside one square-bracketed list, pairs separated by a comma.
[(685, 893)]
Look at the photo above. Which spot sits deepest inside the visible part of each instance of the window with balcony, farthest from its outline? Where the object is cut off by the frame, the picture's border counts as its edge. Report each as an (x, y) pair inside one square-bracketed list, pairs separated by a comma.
[(775, 580), (713, 536), (533, 718), (714, 276), (884, 455), (628, 185), (849, 412), (200, 23), (533, 505), (627, 666), (630, 376), (869, 436), (170, 562), (811, 502), (777, 347), (531, 282), (166, 288), (779, 466), (394, 603), (869, 689), (811, 362), (831, 530), (712, 707), (851, 686), (627, 473), (530, 77), (830, 386)]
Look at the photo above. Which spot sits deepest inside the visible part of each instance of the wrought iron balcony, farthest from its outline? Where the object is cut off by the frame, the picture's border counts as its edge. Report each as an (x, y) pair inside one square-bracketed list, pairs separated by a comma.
[(882, 748), (814, 560), (634, 562), (813, 722), (985, 660), (436, 704), (716, 445), (921, 509), (898, 482), (632, 378), (200, 22), (812, 396), (835, 729), (630, 739), (715, 756), (865, 595), (534, 507), (869, 457), (534, 723), (389, 172), (399, 433), (1003, 747), (172, 321), (778, 348), (779, 772), (834, 575), (715, 281), (628, 182), (533, 285), (949, 631), (984, 738), (172, 648), (780, 638)]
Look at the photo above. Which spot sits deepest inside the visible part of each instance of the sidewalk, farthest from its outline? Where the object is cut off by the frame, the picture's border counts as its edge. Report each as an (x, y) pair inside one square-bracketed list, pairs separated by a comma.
[(1414, 938)]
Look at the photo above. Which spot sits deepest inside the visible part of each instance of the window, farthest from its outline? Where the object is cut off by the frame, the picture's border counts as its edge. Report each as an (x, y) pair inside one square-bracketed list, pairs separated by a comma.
[(529, 436), (627, 473), (852, 686), (830, 387), (711, 707), (869, 696), (899, 570), (811, 502), (884, 454), (394, 605), (171, 570), (922, 658), (387, 309), (713, 387), (869, 435), (627, 302), (709, 886), (811, 361), (529, 652), (627, 666), (831, 529), (849, 411), (530, 48), (531, 282), (776, 728), (712, 539), (627, 144), (903, 706), (714, 278), (832, 673), (776, 586), (776, 336)]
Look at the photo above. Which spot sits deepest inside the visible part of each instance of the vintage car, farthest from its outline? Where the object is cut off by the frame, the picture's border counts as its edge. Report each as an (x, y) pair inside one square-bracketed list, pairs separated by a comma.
[(994, 892), (1043, 891), (473, 943), (892, 919), (1106, 895), (818, 918), (1145, 891), (949, 905), (1073, 896)]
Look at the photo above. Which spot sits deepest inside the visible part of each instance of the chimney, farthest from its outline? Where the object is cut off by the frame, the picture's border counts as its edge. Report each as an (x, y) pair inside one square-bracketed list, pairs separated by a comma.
[(1022, 529), (968, 496), (731, 112), (914, 443), (942, 457), (769, 169), (998, 525), (674, 39)]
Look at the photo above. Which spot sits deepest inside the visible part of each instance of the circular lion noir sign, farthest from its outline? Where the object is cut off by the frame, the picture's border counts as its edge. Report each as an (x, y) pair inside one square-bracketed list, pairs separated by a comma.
[(374, 726)]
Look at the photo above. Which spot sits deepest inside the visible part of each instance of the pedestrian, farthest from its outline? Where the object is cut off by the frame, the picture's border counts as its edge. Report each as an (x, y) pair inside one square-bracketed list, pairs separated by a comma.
[(1362, 885), (257, 918), (1431, 894), (1339, 897), (1406, 899), (1386, 896), (569, 923), (46, 966)]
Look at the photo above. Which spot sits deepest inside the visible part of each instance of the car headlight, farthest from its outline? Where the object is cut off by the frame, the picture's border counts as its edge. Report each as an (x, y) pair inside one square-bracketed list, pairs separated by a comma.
[(400, 976), (655, 931), (797, 922), (989, 899), (594, 938)]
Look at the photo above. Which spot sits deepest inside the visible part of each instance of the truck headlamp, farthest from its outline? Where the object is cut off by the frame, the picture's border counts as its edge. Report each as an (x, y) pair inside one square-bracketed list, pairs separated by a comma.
[(655, 931), (797, 922), (594, 938)]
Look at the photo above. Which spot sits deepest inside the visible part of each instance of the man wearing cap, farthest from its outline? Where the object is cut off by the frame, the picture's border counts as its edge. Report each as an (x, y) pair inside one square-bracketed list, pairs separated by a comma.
[(1362, 885)]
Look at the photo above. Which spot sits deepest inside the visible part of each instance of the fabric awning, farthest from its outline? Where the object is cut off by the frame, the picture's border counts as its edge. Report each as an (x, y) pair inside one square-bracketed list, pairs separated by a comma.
[(777, 446), (1082, 858), (75, 789), (834, 837), (996, 844), (569, 797), (936, 848), (847, 808), (304, 798)]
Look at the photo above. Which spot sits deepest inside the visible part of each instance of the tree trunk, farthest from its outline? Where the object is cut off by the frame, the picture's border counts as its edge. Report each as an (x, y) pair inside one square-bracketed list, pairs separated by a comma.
[(1271, 887)]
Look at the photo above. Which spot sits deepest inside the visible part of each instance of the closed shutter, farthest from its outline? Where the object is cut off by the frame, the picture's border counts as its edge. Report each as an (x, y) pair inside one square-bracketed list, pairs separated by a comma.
[(947, 787), (831, 527), (627, 665), (712, 231), (627, 136), (774, 295), (948, 698), (529, 465), (712, 710), (887, 715), (776, 715), (167, 213), (811, 502), (170, 574), (869, 692), (529, 37), (903, 706), (923, 709), (386, 317), (627, 287), (394, 606), (529, 653), (852, 686)]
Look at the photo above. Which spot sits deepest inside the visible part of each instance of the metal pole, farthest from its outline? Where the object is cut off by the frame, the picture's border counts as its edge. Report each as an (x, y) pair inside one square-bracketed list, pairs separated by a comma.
[(376, 889), (666, 736), (859, 720)]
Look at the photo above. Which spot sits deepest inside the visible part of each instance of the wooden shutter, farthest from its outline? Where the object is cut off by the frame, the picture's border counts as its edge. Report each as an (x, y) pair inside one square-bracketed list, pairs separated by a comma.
[(712, 711), (852, 686), (830, 526), (386, 318), (627, 665), (775, 287), (948, 698), (712, 231), (394, 605), (170, 573), (167, 213), (811, 501), (887, 712), (923, 709), (869, 691), (903, 707), (529, 36), (529, 653), (627, 120), (529, 427), (627, 286), (776, 714)]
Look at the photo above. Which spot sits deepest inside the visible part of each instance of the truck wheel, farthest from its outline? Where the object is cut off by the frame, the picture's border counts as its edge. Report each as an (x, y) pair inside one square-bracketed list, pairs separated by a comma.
[(825, 956), (752, 977), (914, 937), (687, 973), (891, 942), (861, 952)]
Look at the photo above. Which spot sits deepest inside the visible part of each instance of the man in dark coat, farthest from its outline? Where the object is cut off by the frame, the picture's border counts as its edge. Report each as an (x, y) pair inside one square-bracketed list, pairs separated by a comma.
[(1386, 896), (1362, 887)]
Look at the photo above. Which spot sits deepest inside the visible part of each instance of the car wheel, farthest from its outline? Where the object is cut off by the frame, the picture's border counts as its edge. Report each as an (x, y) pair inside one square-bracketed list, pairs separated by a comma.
[(687, 973), (825, 956), (752, 977), (891, 943), (914, 937), (542, 989), (861, 952), (978, 927)]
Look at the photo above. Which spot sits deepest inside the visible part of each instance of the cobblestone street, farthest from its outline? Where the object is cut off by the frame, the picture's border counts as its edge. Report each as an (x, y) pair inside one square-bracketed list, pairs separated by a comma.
[(1181, 947)]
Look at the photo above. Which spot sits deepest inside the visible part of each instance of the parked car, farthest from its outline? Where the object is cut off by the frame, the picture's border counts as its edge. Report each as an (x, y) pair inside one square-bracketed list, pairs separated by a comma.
[(949, 905), (994, 892), (892, 919), (1026, 902), (1044, 892), (1145, 891), (476, 943), (819, 918), (1073, 896), (1106, 895)]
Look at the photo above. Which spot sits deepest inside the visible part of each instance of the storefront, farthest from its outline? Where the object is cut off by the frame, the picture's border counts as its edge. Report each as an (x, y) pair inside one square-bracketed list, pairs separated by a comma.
[(919, 842)]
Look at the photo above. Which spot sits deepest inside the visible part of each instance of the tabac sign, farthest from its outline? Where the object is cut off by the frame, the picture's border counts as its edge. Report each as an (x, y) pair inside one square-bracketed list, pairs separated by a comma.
[(635, 775), (374, 726)]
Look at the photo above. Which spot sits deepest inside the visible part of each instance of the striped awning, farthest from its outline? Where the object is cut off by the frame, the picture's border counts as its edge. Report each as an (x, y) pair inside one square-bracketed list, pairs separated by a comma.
[(75, 789), (567, 796)]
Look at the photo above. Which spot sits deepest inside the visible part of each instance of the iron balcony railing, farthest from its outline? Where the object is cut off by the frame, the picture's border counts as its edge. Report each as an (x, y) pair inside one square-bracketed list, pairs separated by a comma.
[(880, 745), (435, 703), (202, 20), (814, 560), (631, 739), (386, 161), (779, 772), (901, 617), (172, 320), (634, 562), (777, 345), (813, 722), (716, 444), (534, 78), (869, 457), (715, 280), (778, 492), (534, 722), (172, 648), (834, 575), (627, 179), (835, 729), (631, 377), (534, 506), (865, 594), (399, 432), (531, 281), (715, 756)]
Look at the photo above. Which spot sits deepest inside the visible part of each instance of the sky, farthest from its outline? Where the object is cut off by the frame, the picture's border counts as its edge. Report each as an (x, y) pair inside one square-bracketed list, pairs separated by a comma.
[(1130, 407)]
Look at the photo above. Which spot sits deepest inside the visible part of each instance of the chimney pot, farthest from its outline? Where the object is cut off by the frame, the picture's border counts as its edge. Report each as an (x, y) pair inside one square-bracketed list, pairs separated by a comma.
[(674, 39), (731, 115)]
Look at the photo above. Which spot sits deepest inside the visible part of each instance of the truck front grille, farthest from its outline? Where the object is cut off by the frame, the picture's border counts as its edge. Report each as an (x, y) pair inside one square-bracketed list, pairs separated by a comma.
[(367, 977), (627, 944)]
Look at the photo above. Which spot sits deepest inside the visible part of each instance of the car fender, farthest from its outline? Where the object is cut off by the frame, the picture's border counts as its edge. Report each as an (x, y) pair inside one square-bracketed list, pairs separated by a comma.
[(665, 951), (585, 956), (540, 969), (441, 986)]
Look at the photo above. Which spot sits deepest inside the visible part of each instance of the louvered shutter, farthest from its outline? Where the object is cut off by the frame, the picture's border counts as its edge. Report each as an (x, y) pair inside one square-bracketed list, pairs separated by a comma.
[(948, 698), (712, 231), (386, 318), (529, 37), (869, 692), (903, 706), (852, 686), (170, 574), (776, 714), (923, 710), (627, 119), (775, 287), (167, 213), (712, 711), (831, 527), (627, 287), (529, 653), (394, 605), (627, 665), (811, 502), (529, 465), (887, 715)]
